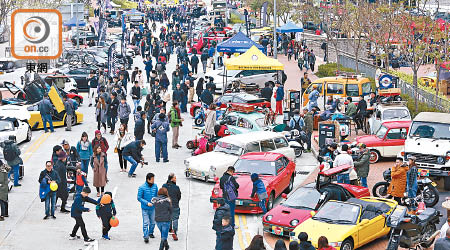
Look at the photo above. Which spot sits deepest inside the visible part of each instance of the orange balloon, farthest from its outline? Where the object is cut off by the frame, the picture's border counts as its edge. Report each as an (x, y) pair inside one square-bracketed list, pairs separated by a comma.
[(114, 222), (106, 199)]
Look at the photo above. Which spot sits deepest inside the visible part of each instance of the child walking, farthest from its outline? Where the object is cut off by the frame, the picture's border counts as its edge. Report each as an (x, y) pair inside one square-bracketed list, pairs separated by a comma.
[(105, 211), (77, 211), (80, 180)]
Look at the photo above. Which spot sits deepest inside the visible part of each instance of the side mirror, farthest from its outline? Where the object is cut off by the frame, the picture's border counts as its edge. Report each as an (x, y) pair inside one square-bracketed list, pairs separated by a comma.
[(364, 222), (284, 196), (313, 213)]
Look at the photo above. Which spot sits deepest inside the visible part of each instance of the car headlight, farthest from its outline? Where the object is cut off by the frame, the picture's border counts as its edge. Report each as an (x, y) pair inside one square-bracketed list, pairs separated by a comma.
[(269, 217), (335, 244), (294, 222), (440, 160), (186, 163)]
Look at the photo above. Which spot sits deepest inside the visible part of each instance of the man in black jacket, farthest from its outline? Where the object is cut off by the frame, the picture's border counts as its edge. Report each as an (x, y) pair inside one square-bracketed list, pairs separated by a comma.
[(111, 111), (360, 112), (227, 234), (222, 210), (133, 153), (49, 175), (194, 63), (228, 176), (267, 92), (207, 97), (175, 197), (139, 126), (136, 95), (178, 94)]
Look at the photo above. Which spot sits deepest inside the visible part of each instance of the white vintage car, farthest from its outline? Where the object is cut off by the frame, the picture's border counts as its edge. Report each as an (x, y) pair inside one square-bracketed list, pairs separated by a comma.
[(213, 164), (14, 121), (387, 112)]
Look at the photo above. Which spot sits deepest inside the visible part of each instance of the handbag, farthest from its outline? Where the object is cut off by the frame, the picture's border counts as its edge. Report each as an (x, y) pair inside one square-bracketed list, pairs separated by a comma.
[(144, 91)]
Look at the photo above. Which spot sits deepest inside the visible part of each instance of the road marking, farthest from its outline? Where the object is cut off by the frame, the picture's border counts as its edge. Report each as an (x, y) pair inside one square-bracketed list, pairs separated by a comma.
[(240, 238), (236, 220), (37, 146), (247, 236), (32, 145), (244, 221), (114, 192)]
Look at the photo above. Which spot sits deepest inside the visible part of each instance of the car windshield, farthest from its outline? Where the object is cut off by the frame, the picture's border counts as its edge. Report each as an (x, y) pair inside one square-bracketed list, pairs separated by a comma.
[(338, 213), (303, 198), (381, 132), (430, 130), (228, 148), (258, 167), (260, 122), (5, 125), (393, 114)]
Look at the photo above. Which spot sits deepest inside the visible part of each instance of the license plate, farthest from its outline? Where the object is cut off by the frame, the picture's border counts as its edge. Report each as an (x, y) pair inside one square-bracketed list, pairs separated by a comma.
[(424, 172), (433, 184), (277, 230), (239, 203)]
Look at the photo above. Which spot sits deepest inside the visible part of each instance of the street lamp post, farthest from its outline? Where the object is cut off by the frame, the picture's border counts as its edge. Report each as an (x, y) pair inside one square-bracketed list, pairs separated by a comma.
[(246, 20), (275, 46)]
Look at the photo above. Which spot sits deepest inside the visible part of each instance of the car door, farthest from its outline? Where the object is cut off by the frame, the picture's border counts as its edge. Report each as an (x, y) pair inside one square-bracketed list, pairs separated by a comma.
[(282, 179), (394, 141), (371, 230), (267, 145), (252, 147), (283, 148), (22, 131)]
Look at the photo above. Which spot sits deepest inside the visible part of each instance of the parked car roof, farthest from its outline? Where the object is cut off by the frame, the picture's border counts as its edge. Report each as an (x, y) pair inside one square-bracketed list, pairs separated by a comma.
[(261, 156), (433, 117), (396, 124), (243, 139)]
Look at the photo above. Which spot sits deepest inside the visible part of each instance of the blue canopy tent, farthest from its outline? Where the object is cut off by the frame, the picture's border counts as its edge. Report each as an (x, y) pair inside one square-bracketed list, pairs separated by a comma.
[(289, 27), (73, 22), (239, 43)]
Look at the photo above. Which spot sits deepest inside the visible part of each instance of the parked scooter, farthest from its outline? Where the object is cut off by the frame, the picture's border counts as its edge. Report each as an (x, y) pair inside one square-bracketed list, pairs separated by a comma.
[(297, 140), (412, 231), (425, 188)]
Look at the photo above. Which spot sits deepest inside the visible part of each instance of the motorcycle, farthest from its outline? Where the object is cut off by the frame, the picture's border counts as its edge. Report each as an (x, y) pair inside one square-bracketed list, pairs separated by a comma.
[(296, 140), (412, 231), (425, 188)]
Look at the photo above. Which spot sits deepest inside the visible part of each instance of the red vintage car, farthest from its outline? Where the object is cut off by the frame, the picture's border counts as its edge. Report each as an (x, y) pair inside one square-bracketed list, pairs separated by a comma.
[(233, 98), (388, 141), (297, 207), (274, 169)]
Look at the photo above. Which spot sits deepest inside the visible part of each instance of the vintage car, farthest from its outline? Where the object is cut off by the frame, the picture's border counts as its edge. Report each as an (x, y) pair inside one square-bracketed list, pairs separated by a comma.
[(429, 80), (14, 121), (213, 164), (274, 169), (297, 207), (388, 141), (232, 98), (387, 112), (348, 224), (59, 113)]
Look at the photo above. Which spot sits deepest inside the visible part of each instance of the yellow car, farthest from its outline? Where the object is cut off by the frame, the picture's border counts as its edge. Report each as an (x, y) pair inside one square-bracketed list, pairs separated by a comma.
[(348, 225), (429, 80), (59, 113)]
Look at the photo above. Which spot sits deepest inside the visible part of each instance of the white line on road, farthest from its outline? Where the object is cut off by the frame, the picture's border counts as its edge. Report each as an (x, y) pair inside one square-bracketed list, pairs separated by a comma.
[(114, 192)]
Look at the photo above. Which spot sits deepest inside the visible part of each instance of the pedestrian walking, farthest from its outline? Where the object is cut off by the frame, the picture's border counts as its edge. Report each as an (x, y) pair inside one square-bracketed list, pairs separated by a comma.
[(84, 148), (397, 187), (93, 84), (100, 113), (227, 234), (111, 112), (98, 163), (11, 154), (260, 190), (139, 126), (80, 180), (62, 192), (122, 139), (312, 60), (175, 79), (133, 153), (210, 120), (4, 170), (362, 165), (204, 59), (191, 89), (136, 95), (199, 88), (309, 125), (124, 112), (194, 63), (161, 128), (207, 96), (175, 122), (163, 215), (146, 193), (343, 159), (148, 67), (411, 181), (77, 211), (222, 210), (300, 60), (279, 97), (70, 112), (229, 187), (105, 210), (175, 197), (46, 110), (46, 178)]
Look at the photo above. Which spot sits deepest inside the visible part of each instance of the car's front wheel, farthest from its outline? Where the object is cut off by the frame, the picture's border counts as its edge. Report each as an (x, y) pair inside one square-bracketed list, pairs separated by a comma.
[(374, 156), (347, 244), (29, 134), (74, 120)]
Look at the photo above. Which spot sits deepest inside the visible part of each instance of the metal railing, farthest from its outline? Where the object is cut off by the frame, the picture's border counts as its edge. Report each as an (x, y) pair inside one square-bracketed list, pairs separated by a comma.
[(428, 98)]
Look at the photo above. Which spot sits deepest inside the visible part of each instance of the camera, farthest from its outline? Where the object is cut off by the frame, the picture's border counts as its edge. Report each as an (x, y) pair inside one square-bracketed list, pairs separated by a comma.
[(144, 163)]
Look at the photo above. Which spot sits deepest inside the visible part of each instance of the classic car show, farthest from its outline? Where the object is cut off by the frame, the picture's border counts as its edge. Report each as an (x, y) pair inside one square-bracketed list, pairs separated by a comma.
[(216, 124)]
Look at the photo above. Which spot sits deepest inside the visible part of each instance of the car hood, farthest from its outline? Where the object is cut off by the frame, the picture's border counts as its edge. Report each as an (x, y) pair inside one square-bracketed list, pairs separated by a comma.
[(315, 229), (368, 139), (246, 184), (219, 160), (282, 215), (14, 111)]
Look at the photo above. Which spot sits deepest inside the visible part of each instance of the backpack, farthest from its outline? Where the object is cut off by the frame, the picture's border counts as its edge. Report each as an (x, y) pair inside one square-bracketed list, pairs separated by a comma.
[(9, 153), (297, 124), (229, 189)]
